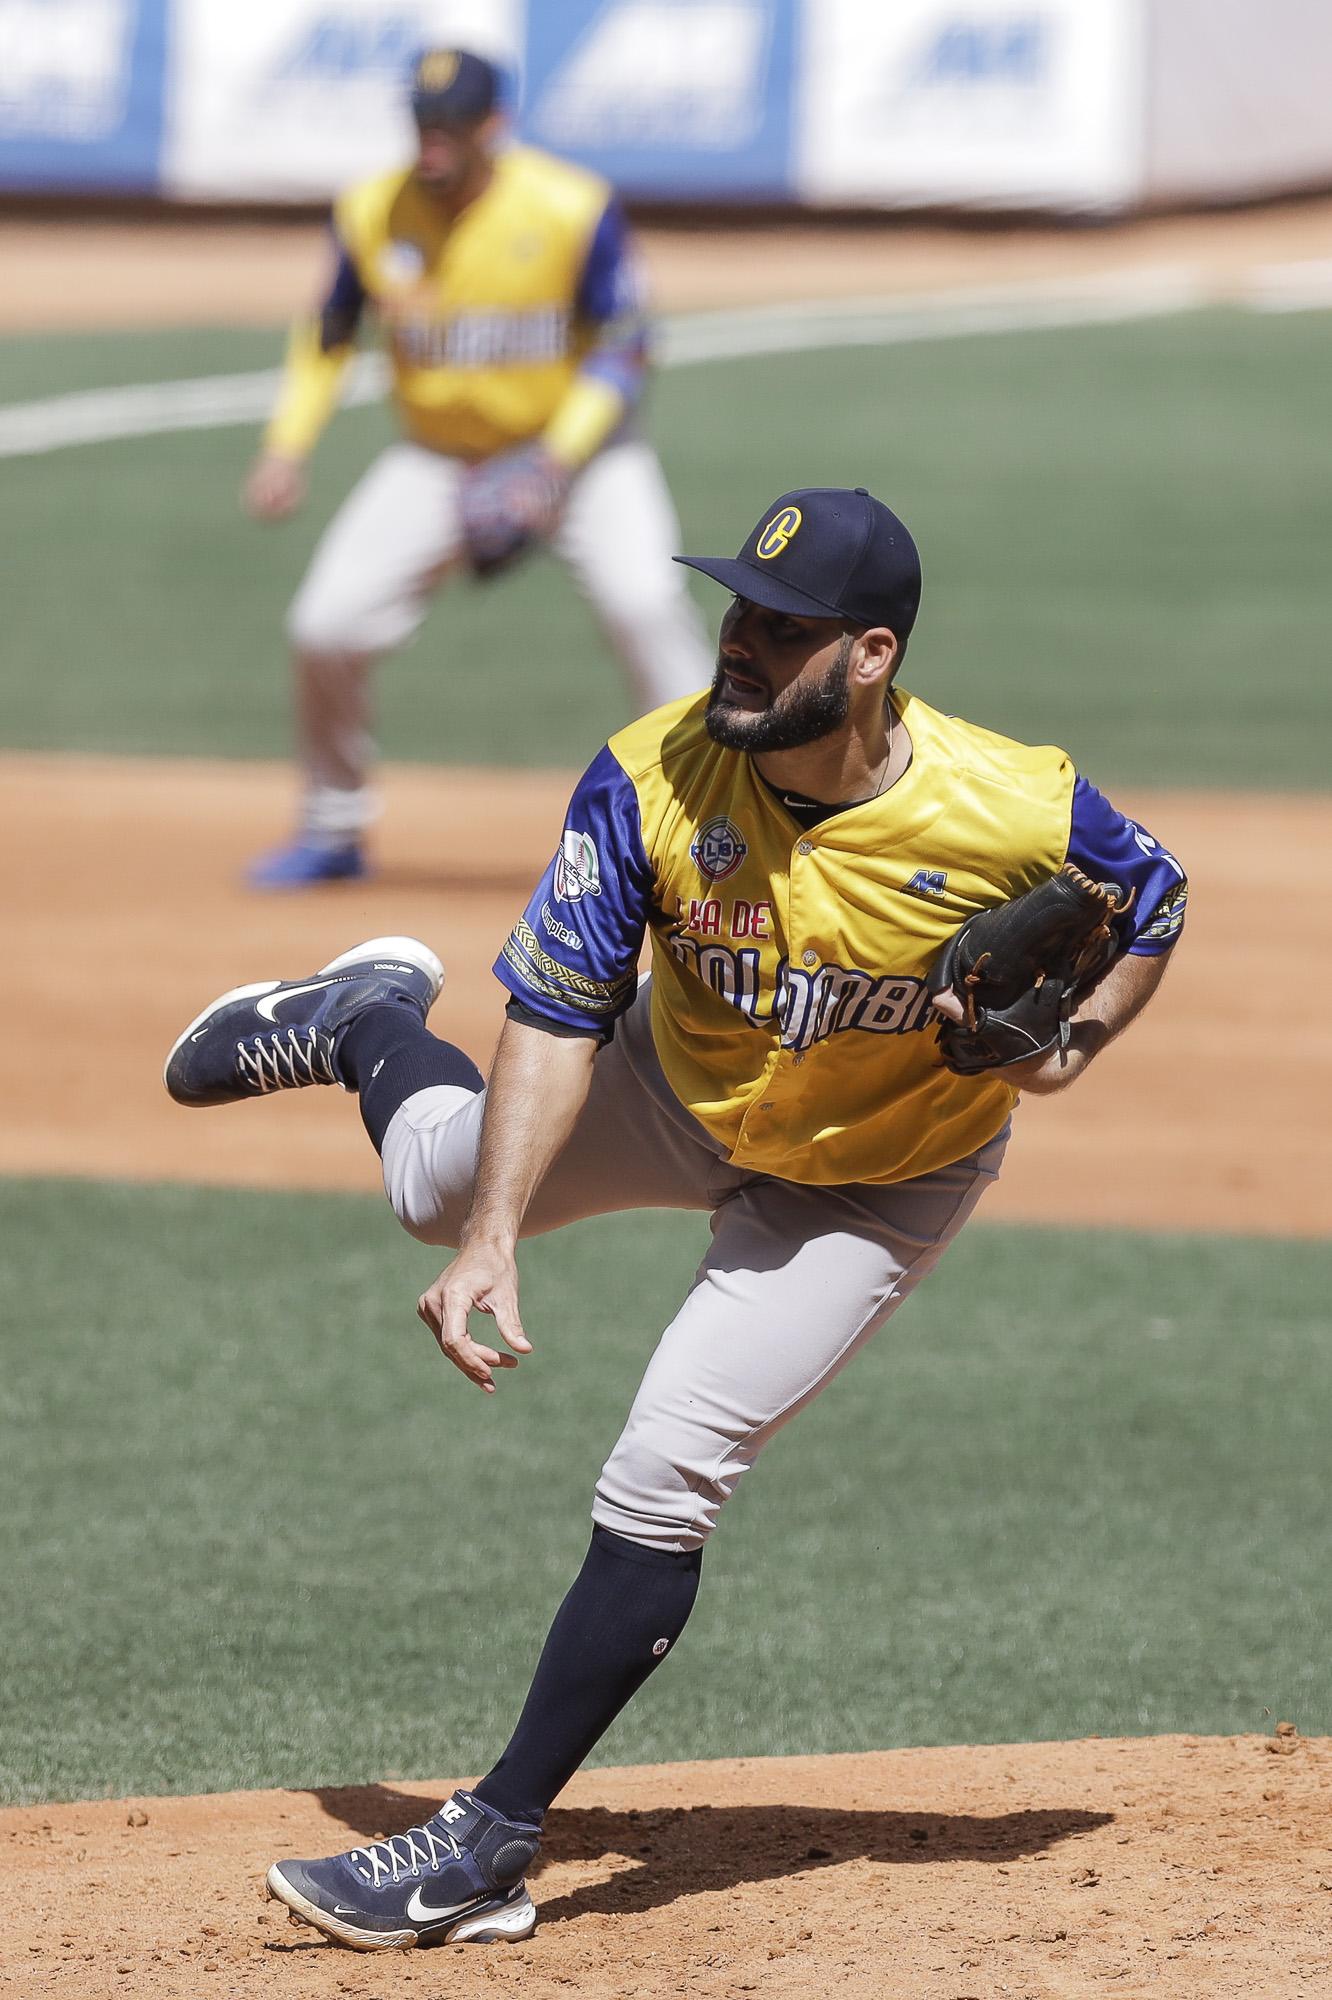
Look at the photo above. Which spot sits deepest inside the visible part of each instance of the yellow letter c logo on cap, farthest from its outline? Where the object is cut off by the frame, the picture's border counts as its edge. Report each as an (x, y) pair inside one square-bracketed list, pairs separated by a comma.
[(437, 69), (778, 533)]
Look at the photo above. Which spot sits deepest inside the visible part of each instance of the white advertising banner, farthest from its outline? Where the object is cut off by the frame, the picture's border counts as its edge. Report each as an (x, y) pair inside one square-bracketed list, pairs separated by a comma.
[(65, 68), (1002, 103), (288, 100), (1241, 99)]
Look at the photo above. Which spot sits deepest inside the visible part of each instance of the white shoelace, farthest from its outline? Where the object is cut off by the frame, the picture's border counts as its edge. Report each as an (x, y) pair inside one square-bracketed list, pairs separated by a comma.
[(404, 1854), (285, 1062)]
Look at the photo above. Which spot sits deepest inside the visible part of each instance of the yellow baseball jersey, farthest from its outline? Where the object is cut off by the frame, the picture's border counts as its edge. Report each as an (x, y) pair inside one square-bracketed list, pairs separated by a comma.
[(789, 1004), (487, 317)]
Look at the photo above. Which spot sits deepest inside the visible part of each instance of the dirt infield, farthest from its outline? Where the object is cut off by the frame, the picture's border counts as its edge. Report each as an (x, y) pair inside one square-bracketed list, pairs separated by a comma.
[(1199, 1120), (185, 270), (1177, 1866)]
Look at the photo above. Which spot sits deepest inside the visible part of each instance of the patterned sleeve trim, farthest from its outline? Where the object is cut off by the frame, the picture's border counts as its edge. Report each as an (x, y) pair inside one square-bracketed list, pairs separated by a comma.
[(1165, 926), (550, 979)]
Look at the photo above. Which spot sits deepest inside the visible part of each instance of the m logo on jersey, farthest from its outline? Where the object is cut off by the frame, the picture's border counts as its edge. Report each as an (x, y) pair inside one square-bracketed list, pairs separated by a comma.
[(717, 849), (927, 882), (577, 867), (778, 533)]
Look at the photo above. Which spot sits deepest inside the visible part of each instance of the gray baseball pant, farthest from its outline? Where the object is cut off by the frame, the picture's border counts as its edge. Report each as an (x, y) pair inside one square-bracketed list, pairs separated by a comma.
[(797, 1278), (394, 541)]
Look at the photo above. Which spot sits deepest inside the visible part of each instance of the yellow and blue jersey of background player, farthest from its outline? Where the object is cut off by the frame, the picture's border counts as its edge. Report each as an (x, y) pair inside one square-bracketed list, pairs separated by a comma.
[(519, 319), (789, 1005)]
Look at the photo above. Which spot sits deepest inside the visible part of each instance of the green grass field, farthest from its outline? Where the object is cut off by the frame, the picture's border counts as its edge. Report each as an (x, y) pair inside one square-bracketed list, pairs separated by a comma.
[(253, 1529), (1124, 530)]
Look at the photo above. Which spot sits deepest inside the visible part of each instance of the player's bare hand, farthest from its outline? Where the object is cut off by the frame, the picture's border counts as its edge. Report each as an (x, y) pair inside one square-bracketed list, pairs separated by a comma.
[(482, 1278), (274, 487)]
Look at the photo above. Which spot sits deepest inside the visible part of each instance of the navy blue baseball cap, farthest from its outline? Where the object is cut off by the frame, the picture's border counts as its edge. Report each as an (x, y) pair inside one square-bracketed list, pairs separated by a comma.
[(453, 87), (826, 552)]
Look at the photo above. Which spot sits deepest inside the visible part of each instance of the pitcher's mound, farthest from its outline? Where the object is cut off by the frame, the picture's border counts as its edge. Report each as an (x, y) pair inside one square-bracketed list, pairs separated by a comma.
[(1163, 1865)]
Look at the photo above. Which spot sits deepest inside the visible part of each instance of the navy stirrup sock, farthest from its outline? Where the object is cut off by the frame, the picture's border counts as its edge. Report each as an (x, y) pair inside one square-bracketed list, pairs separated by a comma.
[(387, 1054), (625, 1610)]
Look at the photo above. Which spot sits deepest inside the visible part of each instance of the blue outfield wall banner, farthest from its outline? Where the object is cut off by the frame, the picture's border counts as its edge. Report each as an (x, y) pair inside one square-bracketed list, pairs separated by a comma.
[(677, 99), (82, 90), (823, 103)]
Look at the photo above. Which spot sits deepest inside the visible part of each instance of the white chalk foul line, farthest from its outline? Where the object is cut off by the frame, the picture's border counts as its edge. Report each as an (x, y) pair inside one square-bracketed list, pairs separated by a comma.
[(209, 402), (200, 403), (1287, 288), (1097, 301)]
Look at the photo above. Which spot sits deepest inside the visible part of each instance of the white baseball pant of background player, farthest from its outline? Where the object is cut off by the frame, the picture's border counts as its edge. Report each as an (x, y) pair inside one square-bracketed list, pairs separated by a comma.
[(393, 542), (797, 1278)]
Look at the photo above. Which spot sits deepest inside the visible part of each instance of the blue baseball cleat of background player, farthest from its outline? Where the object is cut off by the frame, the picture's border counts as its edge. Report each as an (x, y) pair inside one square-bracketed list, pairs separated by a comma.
[(457, 1879), (303, 864), (282, 1034)]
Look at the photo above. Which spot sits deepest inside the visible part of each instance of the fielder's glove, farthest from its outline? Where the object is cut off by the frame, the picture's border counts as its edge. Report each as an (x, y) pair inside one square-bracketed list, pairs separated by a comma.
[(1017, 970), (510, 502)]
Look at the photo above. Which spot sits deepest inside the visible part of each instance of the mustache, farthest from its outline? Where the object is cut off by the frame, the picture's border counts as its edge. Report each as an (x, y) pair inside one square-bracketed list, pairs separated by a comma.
[(725, 667)]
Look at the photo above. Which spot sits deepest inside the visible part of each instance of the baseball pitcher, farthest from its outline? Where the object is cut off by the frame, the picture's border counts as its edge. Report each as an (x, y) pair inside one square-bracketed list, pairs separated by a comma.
[(507, 289), (872, 926)]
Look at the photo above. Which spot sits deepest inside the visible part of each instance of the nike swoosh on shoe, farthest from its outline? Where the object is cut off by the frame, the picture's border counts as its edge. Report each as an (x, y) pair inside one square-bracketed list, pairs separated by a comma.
[(425, 1913), (265, 1006)]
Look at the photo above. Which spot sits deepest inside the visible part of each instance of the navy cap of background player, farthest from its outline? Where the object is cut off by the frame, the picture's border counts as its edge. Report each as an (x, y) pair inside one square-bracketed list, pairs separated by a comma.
[(826, 552), (453, 87)]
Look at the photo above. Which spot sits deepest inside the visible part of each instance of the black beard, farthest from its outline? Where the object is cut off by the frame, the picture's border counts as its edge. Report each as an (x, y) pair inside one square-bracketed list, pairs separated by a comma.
[(444, 185), (801, 715)]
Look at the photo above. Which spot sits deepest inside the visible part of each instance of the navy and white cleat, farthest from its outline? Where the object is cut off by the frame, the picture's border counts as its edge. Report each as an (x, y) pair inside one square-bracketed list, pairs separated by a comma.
[(458, 1879), (281, 1034), (304, 864)]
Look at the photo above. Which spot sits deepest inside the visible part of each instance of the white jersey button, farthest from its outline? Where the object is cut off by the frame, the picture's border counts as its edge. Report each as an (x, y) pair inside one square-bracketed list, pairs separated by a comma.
[(805, 847), (809, 957)]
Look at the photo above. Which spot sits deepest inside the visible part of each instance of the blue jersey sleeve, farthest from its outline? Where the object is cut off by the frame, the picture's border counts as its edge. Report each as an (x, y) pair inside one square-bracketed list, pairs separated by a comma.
[(610, 286), (344, 301), (572, 957), (611, 299), (1110, 848)]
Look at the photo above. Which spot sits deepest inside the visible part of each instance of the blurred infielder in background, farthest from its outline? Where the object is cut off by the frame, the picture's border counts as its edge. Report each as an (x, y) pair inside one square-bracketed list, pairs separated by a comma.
[(801, 845), (508, 292)]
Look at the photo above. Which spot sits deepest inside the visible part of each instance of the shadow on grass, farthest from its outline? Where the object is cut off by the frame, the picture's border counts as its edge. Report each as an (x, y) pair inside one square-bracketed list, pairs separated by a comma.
[(690, 1850)]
